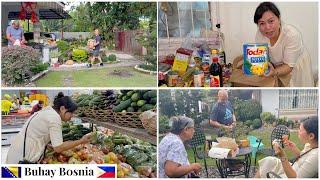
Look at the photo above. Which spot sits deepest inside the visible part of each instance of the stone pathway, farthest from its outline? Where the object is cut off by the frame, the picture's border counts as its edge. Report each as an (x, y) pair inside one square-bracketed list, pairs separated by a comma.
[(68, 81)]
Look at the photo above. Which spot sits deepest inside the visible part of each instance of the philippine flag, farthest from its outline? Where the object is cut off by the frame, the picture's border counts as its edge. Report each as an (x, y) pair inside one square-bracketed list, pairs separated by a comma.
[(11, 172), (106, 172)]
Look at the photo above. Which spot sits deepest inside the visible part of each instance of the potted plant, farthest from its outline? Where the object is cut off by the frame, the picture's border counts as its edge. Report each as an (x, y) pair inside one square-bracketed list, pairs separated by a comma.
[(54, 56)]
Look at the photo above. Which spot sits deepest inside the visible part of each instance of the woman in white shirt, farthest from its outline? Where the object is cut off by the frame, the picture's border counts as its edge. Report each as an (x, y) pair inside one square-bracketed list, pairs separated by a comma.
[(306, 163), (287, 52), (43, 127)]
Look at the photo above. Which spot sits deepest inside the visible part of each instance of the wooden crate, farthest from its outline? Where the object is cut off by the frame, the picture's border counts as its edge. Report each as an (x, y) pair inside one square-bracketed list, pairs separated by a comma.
[(128, 119)]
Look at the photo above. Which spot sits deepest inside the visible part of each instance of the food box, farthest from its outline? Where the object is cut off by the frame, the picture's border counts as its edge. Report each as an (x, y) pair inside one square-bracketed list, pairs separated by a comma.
[(255, 59), (181, 60)]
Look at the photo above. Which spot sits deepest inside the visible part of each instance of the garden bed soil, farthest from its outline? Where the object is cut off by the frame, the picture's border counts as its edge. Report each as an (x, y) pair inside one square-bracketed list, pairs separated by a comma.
[(120, 74)]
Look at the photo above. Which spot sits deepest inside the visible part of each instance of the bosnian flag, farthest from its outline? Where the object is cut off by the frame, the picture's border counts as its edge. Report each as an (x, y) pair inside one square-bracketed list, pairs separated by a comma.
[(106, 171), (10, 172)]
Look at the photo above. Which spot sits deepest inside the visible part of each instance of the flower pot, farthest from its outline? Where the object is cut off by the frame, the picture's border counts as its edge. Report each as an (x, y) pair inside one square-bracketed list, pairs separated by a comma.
[(54, 60), (56, 65)]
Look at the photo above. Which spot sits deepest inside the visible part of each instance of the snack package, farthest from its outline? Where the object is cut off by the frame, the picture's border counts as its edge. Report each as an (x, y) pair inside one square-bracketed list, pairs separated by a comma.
[(181, 60), (255, 59)]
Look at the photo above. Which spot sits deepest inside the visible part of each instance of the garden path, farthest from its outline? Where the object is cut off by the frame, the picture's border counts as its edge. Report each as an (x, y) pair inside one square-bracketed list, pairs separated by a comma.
[(126, 60)]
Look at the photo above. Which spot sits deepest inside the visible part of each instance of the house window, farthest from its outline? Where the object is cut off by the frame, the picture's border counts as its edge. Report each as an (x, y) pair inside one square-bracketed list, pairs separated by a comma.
[(298, 99), (181, 19)]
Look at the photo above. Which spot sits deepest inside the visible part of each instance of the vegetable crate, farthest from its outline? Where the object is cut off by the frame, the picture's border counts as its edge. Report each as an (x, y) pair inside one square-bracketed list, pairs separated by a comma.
[(89, 112), (128, 119), (104, 115)]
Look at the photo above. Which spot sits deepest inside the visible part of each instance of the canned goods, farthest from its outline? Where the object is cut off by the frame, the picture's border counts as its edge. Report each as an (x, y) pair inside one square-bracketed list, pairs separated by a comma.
[(198, 79), (214, 81), (172, 79)]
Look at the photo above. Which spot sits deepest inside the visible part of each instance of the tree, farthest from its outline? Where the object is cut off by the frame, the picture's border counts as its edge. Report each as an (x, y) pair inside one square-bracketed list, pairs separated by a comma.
[(166, 104)]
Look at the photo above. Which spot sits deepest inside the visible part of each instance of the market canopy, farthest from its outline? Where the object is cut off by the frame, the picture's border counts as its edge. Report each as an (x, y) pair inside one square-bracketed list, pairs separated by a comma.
[(47, 10), (43, 14)]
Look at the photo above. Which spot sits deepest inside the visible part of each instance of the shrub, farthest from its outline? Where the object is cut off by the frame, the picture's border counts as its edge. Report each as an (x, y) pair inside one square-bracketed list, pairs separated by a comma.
[(248, 123), (17, 63), (40, 67), (110, 58), (282, 121), (247, 109), (148, 67), (79, 55), (256, 123), (63, 47), (290, 123), (164, 124), (267, 117), (54, 54), (150, 59)]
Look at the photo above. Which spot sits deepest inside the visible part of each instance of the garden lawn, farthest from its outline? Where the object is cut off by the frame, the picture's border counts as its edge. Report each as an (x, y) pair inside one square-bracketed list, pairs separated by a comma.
[(97, 78), (265, 135)]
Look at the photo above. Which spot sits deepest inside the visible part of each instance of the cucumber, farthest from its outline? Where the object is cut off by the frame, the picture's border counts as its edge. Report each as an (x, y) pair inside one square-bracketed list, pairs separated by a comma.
[(135, 97), (147, 107), (141, 103), (150, 94), (122, 106), (153, 101), (130, 109), (125, 98), (134, 104), (130, 93)]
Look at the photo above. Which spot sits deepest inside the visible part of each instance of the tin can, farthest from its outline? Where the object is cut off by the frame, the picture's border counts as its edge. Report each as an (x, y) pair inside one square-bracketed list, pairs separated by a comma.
[(214, 81), (172, 79), (207, 58), (198, 79), (207, 81)]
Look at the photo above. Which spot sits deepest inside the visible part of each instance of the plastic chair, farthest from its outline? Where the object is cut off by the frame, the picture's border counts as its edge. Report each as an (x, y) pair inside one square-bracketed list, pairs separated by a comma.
[(198, 145), (256, 145)]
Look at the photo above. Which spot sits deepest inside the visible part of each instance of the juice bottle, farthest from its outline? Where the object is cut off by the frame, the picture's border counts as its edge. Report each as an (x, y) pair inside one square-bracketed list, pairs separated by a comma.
[(216, 73)]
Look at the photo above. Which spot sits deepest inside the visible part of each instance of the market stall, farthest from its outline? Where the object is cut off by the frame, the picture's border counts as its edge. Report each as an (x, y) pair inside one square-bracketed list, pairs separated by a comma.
[(117, 121), (15, 113), (122, 123)]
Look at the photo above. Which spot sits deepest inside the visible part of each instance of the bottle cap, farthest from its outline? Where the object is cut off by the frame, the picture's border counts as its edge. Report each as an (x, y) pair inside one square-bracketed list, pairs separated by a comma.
[(215, 59), (214, 51)]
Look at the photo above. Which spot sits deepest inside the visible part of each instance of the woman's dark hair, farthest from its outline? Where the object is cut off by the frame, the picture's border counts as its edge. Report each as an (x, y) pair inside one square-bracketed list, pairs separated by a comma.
[(264, 7), (311, 125), (66, 101)]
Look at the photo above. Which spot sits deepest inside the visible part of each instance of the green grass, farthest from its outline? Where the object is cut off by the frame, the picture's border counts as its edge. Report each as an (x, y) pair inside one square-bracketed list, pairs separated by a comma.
[(265, 136), (98, 78)]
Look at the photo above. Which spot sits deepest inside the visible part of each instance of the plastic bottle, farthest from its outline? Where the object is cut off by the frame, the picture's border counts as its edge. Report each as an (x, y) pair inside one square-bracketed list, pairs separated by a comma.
[(216, 73), (214, 54)]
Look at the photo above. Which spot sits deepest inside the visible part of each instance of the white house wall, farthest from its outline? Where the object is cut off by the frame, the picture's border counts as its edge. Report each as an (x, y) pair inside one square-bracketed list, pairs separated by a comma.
[(270, 101), (238, 26)]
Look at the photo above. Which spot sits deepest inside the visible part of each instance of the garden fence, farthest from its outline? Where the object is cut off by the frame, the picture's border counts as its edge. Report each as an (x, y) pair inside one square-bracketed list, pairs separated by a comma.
[(125, 41)]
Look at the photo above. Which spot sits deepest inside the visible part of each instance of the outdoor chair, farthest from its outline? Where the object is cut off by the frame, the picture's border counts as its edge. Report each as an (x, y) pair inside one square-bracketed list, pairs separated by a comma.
[(255, 144), (198, 145), (276, 133)]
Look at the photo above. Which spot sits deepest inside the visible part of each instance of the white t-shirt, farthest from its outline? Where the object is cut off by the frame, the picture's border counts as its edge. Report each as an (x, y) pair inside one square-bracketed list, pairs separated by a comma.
[(289, 49), (45, 126)]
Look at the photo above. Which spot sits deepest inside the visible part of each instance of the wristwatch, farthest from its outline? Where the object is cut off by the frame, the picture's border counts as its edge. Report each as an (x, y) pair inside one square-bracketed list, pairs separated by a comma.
[(283, 159)]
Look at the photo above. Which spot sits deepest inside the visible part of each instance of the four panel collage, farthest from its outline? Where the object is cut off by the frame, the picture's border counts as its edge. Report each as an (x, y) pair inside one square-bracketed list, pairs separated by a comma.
[(203, 89)]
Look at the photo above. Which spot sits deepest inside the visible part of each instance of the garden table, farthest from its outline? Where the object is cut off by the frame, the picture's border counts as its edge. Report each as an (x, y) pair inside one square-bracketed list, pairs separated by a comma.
[(235, 166)]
